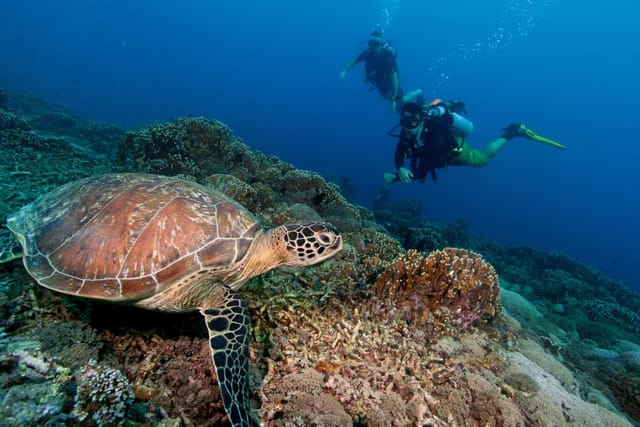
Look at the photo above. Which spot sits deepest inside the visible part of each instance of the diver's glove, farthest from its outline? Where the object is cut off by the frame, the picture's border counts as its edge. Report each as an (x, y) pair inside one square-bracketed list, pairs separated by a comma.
[(405, 175), (511, 131), (390, 177), (343, 74)]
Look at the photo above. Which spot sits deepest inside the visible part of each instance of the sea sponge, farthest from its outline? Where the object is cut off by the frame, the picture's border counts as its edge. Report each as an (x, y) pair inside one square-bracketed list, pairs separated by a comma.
[(454, 287)]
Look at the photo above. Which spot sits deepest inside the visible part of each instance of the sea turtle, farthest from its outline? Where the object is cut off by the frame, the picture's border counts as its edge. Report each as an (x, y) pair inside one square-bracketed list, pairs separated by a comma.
[(164, 244)]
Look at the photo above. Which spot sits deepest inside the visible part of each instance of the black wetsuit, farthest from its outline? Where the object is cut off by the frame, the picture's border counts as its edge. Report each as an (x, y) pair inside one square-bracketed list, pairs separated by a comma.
[(435, 148), (379, 65)]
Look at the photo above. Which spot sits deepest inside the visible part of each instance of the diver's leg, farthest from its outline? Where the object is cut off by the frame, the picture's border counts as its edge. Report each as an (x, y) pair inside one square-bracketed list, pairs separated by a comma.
[(470, 156), (413, 96), (384, 88)]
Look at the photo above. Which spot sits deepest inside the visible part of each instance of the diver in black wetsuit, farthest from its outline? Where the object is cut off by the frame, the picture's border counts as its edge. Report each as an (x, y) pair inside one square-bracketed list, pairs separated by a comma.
[(433, 137)]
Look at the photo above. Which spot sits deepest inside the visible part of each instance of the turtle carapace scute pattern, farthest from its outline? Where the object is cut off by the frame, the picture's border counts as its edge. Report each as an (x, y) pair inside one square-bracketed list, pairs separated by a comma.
[(165, 244)]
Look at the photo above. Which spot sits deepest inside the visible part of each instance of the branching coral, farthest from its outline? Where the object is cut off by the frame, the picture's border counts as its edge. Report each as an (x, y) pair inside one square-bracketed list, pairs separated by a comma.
[(380, 368), (365, 359), (104, 394), (453, 286)]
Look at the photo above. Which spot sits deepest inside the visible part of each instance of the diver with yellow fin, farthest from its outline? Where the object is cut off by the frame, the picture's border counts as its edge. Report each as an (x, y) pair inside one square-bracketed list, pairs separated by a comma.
[(433, 137)]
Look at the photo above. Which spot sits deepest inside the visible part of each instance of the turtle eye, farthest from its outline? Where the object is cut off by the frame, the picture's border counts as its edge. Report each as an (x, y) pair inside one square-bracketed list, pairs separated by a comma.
[(326, 238)]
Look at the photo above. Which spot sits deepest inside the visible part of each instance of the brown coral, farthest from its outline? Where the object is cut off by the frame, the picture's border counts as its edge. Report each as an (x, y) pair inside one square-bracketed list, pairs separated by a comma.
[(454, 287)]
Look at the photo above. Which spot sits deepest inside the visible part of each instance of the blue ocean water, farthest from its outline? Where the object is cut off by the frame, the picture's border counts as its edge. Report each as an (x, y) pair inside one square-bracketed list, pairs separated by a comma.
[(567, 69)]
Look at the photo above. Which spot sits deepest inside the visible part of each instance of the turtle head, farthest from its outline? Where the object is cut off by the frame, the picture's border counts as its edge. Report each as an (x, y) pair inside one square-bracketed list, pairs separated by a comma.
[(296, 245), (308, 244)]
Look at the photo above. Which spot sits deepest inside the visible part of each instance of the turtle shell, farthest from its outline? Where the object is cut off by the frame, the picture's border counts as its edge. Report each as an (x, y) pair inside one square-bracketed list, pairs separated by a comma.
[(125, 237)]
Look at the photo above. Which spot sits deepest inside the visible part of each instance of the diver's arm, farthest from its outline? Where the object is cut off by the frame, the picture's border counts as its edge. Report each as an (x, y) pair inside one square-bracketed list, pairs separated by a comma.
[(349, 66), (401, 153), (403, 174)]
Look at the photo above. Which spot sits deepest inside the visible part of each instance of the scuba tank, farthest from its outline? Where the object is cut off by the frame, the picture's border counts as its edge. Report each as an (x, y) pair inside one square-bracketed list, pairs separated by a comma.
[(461, 125)]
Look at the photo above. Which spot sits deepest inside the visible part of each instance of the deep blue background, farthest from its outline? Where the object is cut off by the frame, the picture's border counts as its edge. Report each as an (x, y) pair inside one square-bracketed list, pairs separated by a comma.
[(568, 69)]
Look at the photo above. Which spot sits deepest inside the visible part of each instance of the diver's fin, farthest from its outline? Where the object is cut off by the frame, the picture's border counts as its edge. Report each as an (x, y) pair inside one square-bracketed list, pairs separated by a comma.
[(528, 133), (517, 129)]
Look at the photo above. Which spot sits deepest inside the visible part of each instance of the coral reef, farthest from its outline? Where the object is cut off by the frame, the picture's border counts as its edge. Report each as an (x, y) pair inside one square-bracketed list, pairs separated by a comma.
[(403, 219), (344, 185), (551, 403), (183, 147), (626, 389), (36, 158), (304, 391), (73, 344), (451, 288), (172, 373), (375, 336), (384, 370), (557, 278), (374, 352)]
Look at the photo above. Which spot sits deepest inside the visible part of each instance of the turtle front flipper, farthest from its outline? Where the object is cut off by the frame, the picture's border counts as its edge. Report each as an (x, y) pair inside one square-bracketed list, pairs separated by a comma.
[(9, 246), (228, 326)]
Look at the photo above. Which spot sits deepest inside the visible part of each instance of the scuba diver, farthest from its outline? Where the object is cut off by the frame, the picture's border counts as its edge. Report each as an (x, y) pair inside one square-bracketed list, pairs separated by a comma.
[(381, 71), (433, 137)]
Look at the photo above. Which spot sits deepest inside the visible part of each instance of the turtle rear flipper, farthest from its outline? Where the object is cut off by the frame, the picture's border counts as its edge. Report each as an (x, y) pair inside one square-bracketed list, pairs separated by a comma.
[(9, 247), (228, 326)]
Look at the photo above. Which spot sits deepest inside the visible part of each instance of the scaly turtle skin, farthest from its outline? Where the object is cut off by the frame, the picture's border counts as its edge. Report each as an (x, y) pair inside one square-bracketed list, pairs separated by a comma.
[(164, 244)]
